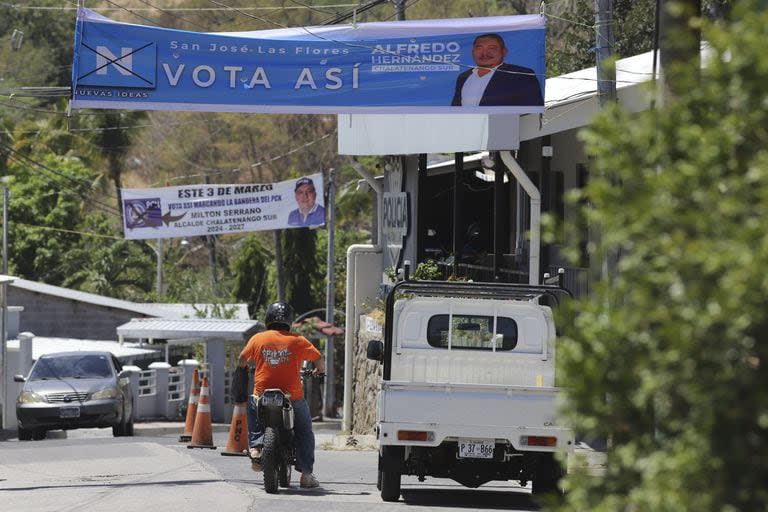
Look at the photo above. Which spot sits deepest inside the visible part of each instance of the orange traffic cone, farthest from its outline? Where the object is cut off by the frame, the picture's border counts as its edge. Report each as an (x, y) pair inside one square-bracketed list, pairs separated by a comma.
[(202, 435), (194, 396), (237, 443)]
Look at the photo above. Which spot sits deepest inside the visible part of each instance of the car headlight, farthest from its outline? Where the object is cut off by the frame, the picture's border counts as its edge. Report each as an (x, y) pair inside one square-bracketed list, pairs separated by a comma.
[(104, 393), (28, 397)]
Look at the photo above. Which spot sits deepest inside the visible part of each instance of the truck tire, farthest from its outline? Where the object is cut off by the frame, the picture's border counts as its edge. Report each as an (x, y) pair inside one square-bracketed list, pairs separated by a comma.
[(547, 476), (390, 479), (269, 460), (390, 485)]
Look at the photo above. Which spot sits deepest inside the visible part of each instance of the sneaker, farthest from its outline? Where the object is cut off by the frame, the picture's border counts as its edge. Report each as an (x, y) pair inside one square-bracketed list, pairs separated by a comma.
[(308, 481), (255, 455)]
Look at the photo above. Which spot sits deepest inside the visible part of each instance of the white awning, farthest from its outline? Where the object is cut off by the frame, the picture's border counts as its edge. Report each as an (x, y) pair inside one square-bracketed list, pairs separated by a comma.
[(42, 345), (189, 329)]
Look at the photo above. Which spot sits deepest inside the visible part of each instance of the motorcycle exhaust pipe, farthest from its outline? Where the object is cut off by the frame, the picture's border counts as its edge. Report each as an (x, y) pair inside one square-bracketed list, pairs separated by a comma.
[(288, 418)]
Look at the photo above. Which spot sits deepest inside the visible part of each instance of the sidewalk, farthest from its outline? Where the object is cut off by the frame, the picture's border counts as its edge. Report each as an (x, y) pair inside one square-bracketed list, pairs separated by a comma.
[(328, 434)]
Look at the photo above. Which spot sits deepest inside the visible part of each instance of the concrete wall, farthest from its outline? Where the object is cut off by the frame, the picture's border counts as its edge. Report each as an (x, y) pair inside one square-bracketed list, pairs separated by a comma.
[(366, 377), (56, 317)]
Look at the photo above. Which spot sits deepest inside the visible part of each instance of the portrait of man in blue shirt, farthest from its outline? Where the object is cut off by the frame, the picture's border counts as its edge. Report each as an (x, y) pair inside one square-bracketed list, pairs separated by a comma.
[(309, 213)]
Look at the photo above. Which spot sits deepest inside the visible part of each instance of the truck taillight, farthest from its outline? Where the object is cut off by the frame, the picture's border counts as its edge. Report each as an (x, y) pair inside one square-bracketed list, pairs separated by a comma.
[(414, 435), (538, 441)]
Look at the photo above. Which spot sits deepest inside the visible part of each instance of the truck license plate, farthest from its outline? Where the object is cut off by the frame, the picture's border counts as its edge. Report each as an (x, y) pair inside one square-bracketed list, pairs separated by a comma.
[(69, 412), (476, 448)]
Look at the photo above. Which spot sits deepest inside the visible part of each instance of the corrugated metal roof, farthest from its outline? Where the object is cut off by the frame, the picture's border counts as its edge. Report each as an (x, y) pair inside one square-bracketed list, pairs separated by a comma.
[(238, 311), (190, 328), (89, 298), (42, 345), (163, 310)]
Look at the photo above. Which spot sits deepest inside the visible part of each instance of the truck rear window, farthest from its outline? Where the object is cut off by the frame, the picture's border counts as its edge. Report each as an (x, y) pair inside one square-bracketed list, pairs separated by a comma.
[(472, 332)]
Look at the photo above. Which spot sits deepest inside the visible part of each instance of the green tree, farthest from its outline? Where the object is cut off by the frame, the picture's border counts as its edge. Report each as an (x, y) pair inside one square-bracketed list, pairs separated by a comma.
[(668, 360), (302, 270), (106, 264), (251, 273)]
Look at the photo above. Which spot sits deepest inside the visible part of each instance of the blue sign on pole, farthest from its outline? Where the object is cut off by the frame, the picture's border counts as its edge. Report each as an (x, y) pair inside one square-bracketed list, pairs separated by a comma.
[(420, 66)]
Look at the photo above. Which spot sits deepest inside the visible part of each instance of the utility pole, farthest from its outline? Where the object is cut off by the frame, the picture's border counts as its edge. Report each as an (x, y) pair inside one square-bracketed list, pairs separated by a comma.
[(210, 241), (399, 10), (606, 76), (606, 92), (329, 400), (279, 265), (679, 43), (159, 277), (4, 380)]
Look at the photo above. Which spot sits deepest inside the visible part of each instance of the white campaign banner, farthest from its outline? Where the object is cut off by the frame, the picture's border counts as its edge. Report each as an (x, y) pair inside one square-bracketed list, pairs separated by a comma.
[(213, 209)]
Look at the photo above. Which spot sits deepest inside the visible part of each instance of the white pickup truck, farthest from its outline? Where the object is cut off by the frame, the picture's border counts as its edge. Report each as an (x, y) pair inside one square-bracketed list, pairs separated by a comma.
[(468, 385)]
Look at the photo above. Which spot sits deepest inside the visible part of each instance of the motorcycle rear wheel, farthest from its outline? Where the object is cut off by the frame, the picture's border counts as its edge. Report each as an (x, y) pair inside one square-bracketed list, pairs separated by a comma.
[(284, 473), (270, 455)]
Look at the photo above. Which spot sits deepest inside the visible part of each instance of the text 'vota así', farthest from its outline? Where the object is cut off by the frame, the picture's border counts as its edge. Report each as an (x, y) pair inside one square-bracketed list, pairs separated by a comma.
[(204, 75)]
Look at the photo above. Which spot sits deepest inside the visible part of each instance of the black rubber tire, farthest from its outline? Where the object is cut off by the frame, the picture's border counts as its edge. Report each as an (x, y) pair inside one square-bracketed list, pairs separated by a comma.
[(270, 454), (117, 430), (390, 485), (378, 481), (128, 427), (26, 434), (547, 476), (389, 481), (39, 434), (284, 474)]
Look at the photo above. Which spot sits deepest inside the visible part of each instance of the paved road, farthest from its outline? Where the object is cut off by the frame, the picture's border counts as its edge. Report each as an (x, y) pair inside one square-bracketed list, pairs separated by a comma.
[(88, 470)]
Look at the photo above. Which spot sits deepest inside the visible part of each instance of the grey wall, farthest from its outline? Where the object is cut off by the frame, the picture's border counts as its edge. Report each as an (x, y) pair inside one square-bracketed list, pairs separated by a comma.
[(51, 316)]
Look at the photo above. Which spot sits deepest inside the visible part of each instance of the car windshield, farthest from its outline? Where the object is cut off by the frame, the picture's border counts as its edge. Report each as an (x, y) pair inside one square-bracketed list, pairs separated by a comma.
[(71, 367)]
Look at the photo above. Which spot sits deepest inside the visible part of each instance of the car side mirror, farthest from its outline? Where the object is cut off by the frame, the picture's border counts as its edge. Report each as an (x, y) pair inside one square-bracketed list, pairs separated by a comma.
[(375, 351), (19, 378)]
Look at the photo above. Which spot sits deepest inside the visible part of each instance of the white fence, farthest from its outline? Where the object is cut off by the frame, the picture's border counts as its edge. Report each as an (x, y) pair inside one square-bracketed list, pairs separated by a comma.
[(162, 391)]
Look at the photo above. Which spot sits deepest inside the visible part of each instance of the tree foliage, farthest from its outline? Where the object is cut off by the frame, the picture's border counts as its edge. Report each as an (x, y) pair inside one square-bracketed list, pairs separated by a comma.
[(668, 359)]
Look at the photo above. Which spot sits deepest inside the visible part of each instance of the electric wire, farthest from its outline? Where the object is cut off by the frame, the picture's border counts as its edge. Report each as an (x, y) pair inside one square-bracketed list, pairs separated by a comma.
[(70, 231), (173, 9), (180, 18), (25, 159)]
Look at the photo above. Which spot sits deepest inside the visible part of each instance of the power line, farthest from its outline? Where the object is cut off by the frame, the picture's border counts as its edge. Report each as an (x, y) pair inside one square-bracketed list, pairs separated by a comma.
[(180, 18), (257, 164), (25, 159), (177, 9), (71, 231)]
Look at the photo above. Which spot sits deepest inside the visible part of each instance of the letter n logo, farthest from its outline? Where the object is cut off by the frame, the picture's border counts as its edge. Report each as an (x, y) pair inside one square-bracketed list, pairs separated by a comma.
[(116, 63)]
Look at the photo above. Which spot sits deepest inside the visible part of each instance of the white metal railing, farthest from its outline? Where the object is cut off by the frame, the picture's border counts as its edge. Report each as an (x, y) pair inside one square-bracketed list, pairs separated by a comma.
[(176, 384), (228, 386), (147, 383)]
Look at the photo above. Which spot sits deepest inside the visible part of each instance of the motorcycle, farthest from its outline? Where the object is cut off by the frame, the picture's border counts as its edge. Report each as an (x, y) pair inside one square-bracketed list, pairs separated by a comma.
[(278, 454)]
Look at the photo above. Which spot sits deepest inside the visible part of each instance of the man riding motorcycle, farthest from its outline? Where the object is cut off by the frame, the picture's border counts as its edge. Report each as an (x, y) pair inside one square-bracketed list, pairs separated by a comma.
[(278, 354)]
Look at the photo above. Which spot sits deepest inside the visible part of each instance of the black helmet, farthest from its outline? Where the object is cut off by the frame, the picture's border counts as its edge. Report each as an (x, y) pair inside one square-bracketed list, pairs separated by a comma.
[(279, 316)]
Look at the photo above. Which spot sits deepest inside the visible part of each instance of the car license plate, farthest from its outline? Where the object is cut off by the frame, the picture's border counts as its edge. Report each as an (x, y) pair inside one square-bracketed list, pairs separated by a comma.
[(69, 412), (476, 448)]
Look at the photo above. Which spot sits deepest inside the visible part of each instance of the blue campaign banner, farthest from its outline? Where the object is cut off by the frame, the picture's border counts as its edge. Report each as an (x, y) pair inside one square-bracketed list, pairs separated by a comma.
[(419, 66)]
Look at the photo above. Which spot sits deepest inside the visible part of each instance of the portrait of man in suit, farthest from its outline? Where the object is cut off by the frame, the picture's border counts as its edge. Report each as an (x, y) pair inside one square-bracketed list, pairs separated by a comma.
[(492, 82)]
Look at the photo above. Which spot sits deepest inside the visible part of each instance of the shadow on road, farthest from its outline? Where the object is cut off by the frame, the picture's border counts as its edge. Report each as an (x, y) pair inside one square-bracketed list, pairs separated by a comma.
[(476, 499)]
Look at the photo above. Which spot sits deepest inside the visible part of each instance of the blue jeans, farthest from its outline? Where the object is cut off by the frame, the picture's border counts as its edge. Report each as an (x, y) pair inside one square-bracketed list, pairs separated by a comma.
[(302, 429)]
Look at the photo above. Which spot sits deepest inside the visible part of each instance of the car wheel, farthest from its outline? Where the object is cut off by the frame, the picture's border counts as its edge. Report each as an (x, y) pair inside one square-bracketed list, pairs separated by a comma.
[(25, 434), (128, 431), (117, 430), (39, 434)]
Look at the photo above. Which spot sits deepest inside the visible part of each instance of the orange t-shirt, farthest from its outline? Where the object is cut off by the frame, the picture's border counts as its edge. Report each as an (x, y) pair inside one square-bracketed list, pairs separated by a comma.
[(278, 356)]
